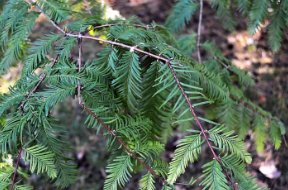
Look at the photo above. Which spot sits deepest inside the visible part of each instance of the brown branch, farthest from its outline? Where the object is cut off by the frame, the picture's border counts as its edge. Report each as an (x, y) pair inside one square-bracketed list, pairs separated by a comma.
[(199, 124), (244, 103), (199, 31), (86, 31), (16, 167), (250, 107), (222, 63), (52, 22), (134, 48), (38, 84), (87, 7), (187, 99), (285, 141), (109, 25), (120, 141), (79, 65)]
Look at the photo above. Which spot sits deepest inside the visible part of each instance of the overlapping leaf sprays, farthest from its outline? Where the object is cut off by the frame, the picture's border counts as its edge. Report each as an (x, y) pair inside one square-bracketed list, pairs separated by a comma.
[(137, 85)]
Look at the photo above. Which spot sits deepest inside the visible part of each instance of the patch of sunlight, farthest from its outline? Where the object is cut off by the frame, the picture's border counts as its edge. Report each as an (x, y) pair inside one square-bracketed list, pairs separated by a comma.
[(246, 50), (10, 78), (109, 12), (7, 161)]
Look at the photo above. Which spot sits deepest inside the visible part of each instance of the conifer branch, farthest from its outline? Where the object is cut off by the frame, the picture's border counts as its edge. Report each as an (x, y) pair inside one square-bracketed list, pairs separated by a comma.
[(222, 63), (199, 124), (247, 105), (86, 31), (243, 102), (236, 99), (126, 148), (177, 81), (52, 22), (110, 25), (44, 76), (16, 167), (99, 39), (199, 31), (135, 48), (66, 79), (38, 84)]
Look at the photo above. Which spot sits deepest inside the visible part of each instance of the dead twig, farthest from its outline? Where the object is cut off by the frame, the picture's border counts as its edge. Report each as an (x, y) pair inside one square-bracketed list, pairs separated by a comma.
[(16, 167), (199, 31)]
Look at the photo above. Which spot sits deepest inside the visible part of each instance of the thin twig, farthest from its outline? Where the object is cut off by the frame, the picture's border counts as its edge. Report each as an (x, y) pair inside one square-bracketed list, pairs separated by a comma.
[(199, 31), (86, 31), (109, 25), (87, 7), (16, 167), (199, 124), (247, 105), (285, 141), (120, 141), (79, 65), (222, 63), (99, 39), (52, 22), (244, 103), (122, 45), (184, 184), (39, 82)]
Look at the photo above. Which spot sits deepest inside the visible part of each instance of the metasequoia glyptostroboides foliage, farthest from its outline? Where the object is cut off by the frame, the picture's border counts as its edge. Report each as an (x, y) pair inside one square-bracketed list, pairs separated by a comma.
[(139, 87)]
